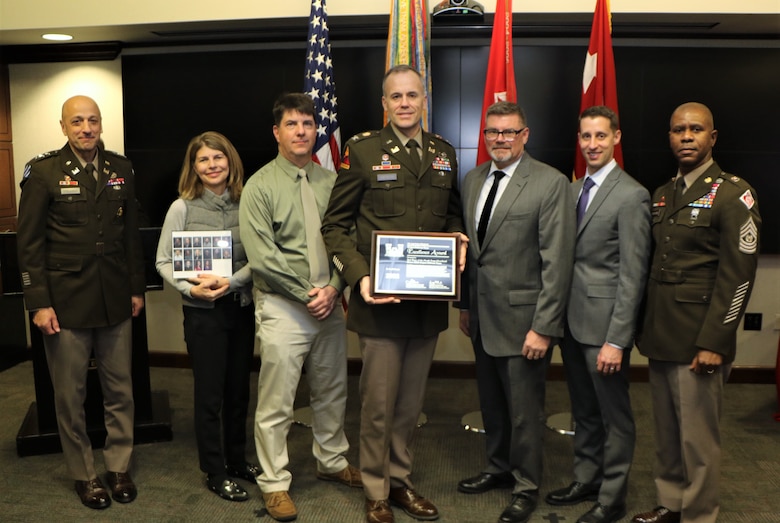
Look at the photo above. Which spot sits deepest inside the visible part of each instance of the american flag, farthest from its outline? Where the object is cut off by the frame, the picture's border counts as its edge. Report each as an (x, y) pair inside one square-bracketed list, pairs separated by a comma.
[(320, 85)]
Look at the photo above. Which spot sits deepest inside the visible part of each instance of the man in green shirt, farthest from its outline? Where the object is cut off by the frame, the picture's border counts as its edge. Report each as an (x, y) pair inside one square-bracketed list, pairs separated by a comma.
[(297, 306)]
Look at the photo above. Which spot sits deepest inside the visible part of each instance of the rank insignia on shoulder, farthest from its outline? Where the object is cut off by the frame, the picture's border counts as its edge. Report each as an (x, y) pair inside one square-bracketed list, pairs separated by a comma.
[(747, 199), (47, 154), (735, 179), (443, 139), (360, 136)]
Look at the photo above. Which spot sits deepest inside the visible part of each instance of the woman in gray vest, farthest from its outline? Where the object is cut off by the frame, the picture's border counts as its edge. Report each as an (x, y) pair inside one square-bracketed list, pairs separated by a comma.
[(200, 254)]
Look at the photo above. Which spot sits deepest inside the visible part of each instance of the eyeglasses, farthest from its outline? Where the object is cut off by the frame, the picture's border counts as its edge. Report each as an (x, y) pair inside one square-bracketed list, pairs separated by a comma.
[(508, 134)]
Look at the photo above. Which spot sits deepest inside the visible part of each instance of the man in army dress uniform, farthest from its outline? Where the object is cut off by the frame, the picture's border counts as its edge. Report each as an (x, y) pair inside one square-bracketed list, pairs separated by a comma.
[(82, 274), (706, 229), (400, 179)]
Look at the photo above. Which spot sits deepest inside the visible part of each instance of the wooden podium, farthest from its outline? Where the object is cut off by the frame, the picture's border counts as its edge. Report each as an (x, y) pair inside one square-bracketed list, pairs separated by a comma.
[(38, 433)]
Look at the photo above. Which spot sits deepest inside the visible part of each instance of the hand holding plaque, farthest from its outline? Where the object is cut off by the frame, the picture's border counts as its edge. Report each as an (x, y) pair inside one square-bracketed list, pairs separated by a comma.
[(415, 266)]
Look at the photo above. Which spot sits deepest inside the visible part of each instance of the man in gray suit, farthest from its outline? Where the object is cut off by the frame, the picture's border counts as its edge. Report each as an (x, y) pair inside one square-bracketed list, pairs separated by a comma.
[(518, 215), (610, 266)]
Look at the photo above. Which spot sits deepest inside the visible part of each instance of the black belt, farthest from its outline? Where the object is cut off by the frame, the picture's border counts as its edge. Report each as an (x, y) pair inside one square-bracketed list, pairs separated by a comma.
[(679, 276), (87, 249), (231, 296)]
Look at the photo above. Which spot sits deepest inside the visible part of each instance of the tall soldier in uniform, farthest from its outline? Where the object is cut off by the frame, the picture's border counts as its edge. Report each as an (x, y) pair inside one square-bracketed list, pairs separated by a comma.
[(82, 274), (706, 230), (401, 179)]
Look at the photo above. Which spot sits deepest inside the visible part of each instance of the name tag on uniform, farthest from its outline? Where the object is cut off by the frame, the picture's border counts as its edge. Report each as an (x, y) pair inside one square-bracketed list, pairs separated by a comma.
[(387, 177), (70, 190)]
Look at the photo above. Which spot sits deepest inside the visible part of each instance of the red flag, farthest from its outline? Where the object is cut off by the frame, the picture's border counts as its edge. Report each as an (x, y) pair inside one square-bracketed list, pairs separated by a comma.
[(599, 86), (500, 80), (321, 87)]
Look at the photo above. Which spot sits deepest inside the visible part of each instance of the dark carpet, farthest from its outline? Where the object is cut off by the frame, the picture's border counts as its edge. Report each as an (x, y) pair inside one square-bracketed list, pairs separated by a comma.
[(172, 489)]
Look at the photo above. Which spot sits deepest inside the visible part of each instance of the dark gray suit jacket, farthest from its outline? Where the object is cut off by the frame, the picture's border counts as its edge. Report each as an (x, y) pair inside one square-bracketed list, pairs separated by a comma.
[(519, 279)]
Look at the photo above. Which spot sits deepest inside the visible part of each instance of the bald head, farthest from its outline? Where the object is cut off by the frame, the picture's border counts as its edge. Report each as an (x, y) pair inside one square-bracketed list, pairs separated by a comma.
[(692, 135), (82, 124), (698, 107)]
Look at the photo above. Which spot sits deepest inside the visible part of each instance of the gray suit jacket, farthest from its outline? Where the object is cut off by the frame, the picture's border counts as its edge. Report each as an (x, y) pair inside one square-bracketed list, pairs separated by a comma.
[(611, 257), (519, 279)]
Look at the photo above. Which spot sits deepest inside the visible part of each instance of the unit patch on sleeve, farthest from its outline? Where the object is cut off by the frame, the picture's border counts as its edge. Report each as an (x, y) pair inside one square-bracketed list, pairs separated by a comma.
[(747, 199)]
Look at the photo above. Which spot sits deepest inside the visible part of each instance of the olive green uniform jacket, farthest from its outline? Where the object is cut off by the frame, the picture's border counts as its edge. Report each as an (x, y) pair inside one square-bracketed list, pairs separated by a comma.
[(78, 240), (703, 268), (376, 189)]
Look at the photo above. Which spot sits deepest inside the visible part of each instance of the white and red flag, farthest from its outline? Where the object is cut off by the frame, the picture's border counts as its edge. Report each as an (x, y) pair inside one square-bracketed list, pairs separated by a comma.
[(500, 80), (599, 86)]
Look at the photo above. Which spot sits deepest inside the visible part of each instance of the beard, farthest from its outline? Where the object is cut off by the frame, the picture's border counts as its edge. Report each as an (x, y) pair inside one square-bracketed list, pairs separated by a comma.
[(500, 154)]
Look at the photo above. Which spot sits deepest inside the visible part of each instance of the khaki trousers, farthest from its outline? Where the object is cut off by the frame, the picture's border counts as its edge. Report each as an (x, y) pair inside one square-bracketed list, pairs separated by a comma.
[(290, 338), (392, 389), (68, 353)]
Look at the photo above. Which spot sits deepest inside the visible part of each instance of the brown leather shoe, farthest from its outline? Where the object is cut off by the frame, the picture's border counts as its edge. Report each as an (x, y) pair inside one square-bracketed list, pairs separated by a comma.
[(349, 476), (378, 511), (657, 515), (122, 487), (93, 494), (280, 506), (413, 504)]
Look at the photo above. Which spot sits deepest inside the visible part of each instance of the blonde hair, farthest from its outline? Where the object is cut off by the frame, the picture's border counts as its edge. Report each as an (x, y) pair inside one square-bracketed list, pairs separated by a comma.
[(190, 186)]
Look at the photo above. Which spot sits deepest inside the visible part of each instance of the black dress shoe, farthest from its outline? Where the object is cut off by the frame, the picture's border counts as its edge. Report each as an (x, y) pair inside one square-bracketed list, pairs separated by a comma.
[(519, 511), (245, 471), (603, 514), (573, 494), (93, 494), (657, 515), (226, 488), (484, 482), (122, 487)]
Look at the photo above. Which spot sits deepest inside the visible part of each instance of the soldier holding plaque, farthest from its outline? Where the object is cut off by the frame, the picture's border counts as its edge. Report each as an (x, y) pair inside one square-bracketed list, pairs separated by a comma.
[(400, 178)]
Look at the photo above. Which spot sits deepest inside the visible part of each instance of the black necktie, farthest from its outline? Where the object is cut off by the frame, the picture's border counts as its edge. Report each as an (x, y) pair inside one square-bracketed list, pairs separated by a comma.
[(487, 210), (582, 203), (415, 156), (679, 189), (90, 170)]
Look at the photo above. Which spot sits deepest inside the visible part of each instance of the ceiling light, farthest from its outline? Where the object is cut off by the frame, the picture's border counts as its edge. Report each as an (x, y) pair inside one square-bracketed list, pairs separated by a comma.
[(57, 37)]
